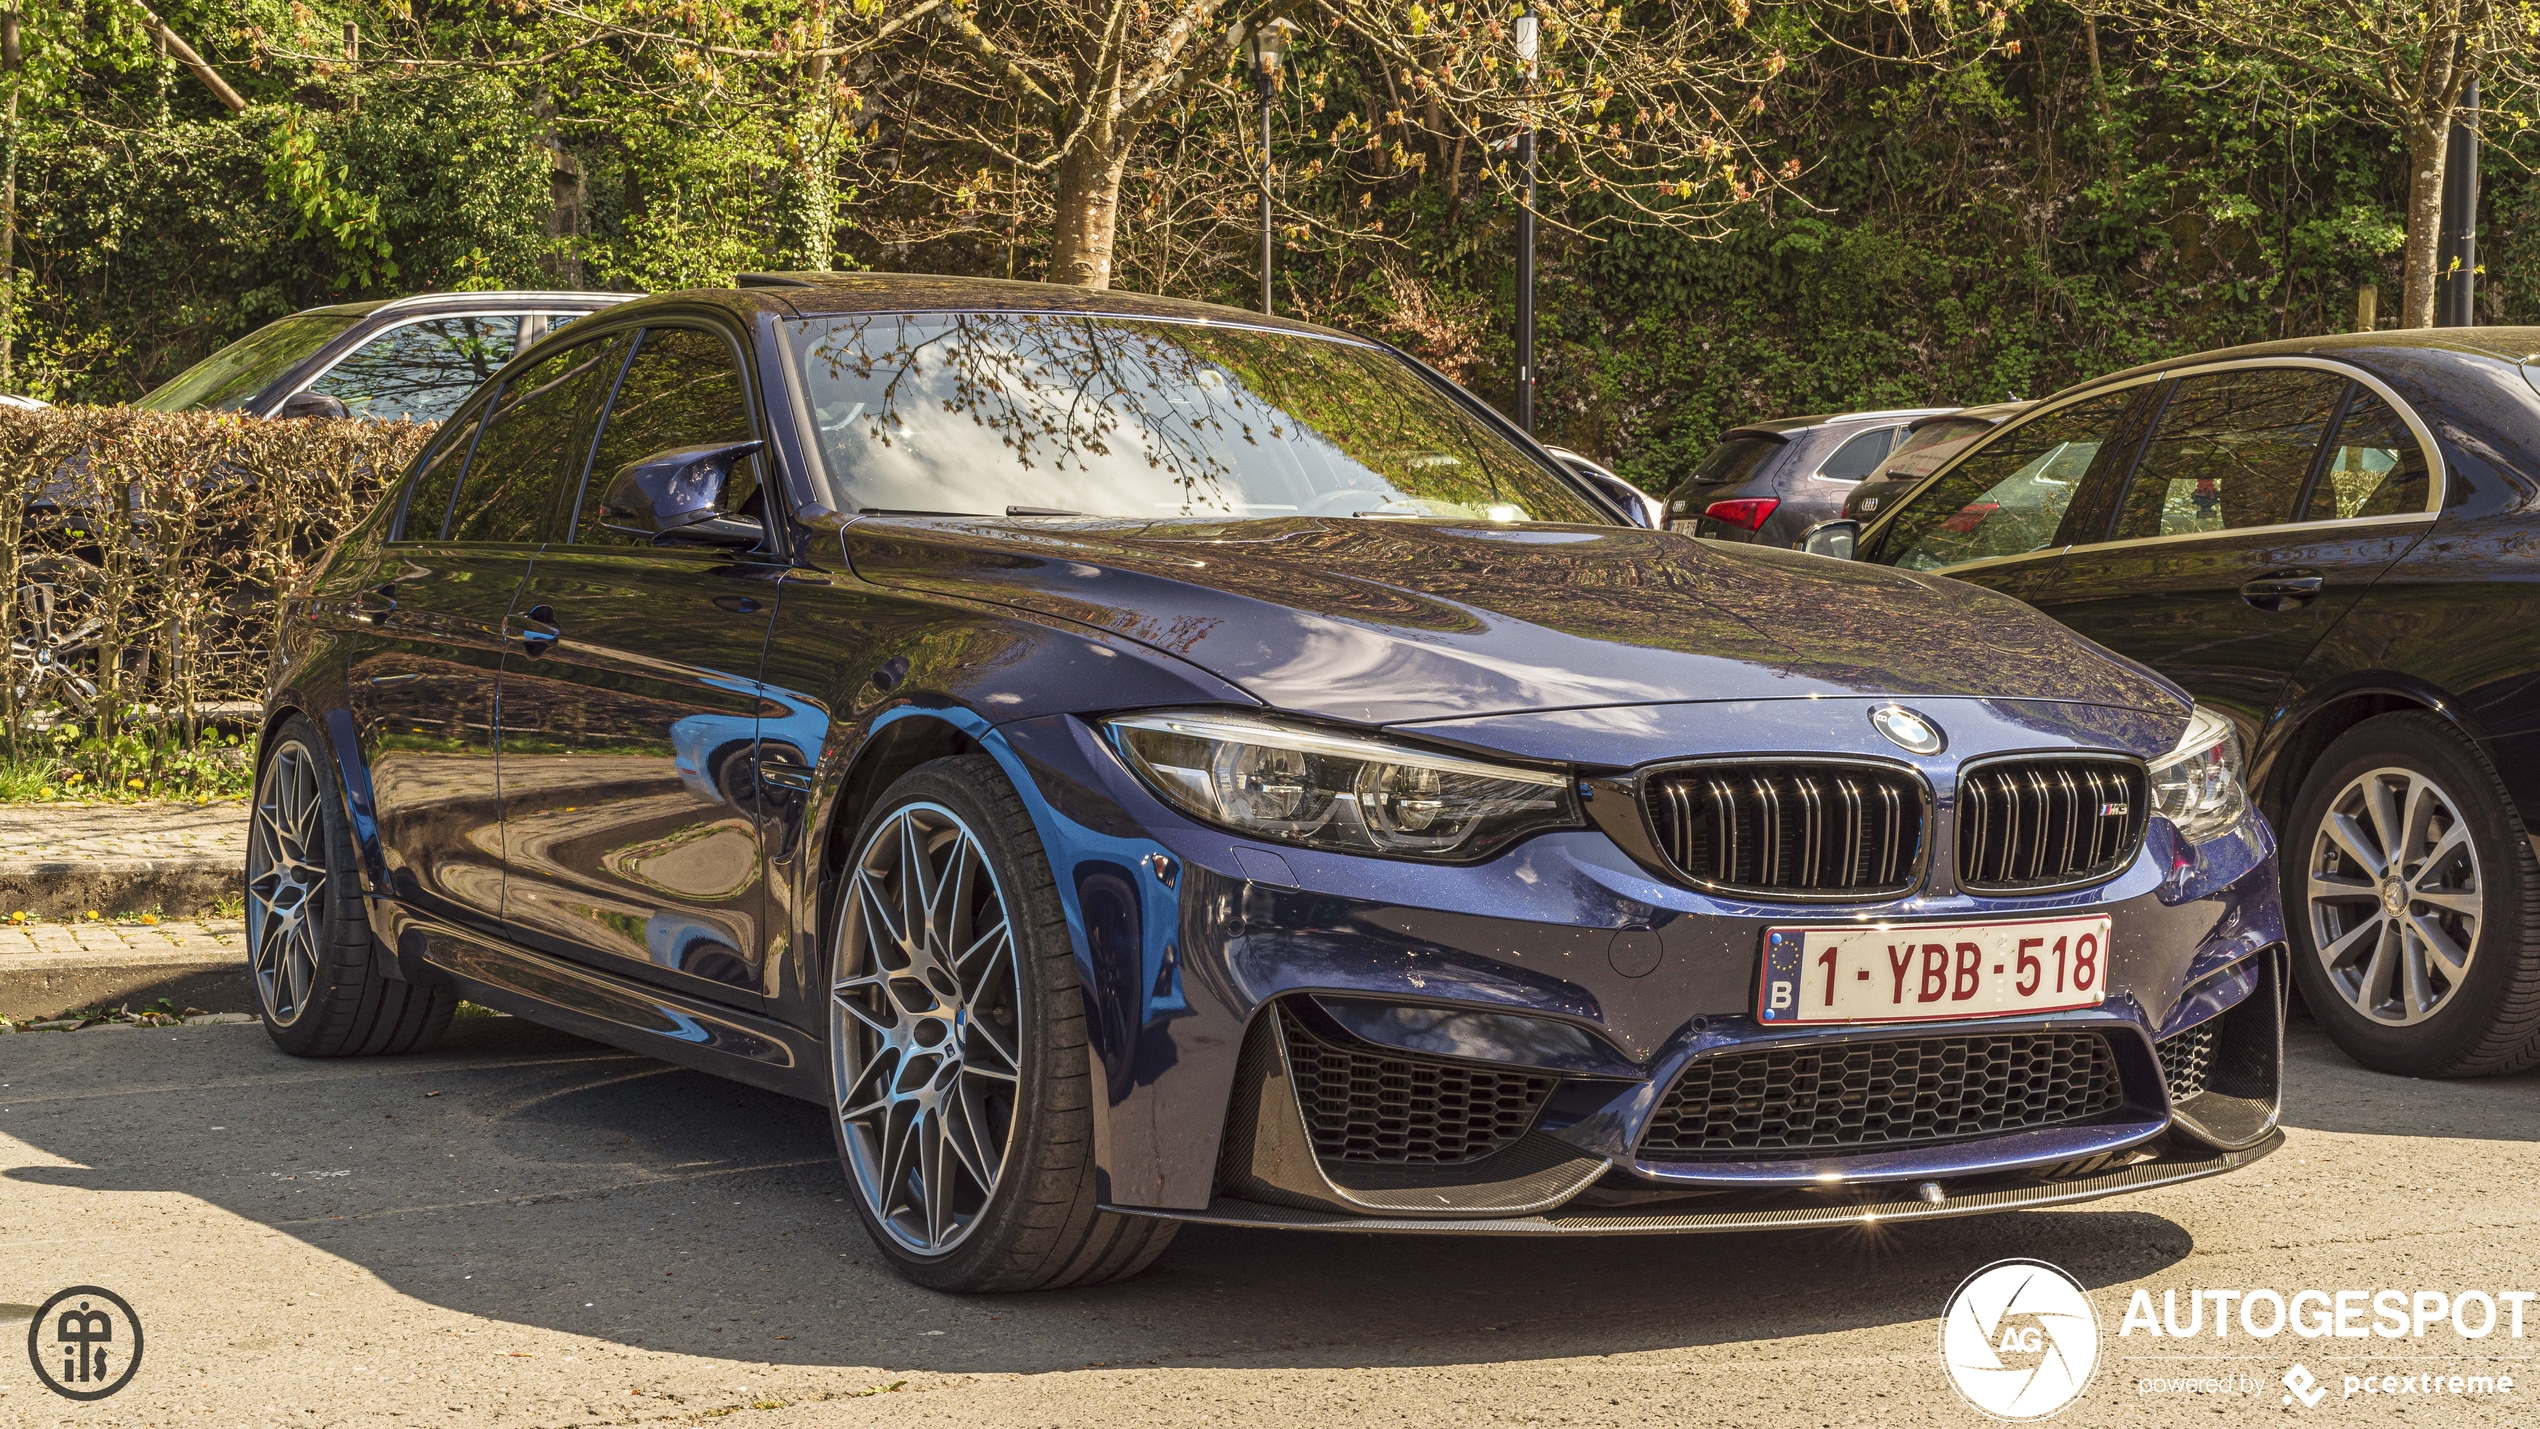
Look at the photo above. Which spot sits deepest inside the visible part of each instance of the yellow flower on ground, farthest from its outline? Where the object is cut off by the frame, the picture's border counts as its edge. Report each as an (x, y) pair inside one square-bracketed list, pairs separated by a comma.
[(94, 914), (150, 920), (44, 793), (18, 917), (134, 784)]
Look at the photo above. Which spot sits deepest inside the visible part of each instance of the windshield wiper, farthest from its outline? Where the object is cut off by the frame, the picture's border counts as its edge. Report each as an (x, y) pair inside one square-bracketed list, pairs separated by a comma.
[(1041, 511), (905, 511)]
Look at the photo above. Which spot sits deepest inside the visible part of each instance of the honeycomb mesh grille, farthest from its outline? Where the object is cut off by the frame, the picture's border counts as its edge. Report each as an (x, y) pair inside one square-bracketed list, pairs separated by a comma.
[(1366, 1106), (2046, 823), (1880, 1096), (1824, 830), (2187, 1059)]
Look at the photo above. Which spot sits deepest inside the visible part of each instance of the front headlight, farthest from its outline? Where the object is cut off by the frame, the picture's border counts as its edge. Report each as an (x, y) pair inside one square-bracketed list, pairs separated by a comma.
[(1300, 785), (2197, 784)]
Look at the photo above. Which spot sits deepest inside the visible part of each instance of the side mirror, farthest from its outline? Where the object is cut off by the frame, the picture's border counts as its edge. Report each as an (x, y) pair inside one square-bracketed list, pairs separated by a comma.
[(678, 495), (310, 404), (1838, 539)]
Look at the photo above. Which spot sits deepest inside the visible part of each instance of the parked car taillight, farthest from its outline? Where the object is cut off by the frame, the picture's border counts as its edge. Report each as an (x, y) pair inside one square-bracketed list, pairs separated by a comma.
[(1746, 513)]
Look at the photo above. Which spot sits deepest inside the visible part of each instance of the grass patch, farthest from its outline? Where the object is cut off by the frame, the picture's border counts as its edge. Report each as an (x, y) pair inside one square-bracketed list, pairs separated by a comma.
[(470, 1009), (65, 764)]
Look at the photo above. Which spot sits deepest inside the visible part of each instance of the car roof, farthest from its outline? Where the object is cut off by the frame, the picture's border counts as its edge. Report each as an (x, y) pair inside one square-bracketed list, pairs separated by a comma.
[(1994, 412), (1792, 426), (844, 294), (2508, 344), (463, 302)]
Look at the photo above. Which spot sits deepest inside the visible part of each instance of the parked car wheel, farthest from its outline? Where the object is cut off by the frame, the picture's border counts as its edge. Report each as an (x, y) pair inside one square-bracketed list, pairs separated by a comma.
[(319, 989), (2415, 904), (958, 1057)]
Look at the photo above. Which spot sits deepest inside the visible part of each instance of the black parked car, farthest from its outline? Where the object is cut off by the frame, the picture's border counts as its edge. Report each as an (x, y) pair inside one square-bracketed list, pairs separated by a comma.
[(413, 358), (1767, 483), (1929, 443), (1135, 762), (2332, 539)]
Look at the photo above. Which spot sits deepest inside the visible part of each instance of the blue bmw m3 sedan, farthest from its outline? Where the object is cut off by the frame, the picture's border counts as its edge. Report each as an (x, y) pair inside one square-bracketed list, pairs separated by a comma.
[(1135, 762)]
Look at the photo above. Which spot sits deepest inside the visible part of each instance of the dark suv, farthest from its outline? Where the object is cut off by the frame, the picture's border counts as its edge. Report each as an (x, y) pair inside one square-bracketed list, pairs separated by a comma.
[(413, 358), (2328, 540), (1767, 483)]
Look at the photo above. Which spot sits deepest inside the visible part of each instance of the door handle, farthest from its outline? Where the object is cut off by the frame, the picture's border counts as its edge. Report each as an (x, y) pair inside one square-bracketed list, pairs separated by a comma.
[(538, 630), (2282, 590)]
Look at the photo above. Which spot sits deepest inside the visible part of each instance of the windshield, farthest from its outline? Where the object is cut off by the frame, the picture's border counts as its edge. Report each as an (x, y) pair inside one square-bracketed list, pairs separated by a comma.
[(1027, 414), (1927, 446), (224, 381)]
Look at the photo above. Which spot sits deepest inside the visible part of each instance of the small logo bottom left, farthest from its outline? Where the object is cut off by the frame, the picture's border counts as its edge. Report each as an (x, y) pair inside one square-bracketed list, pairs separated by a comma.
[(85, 1343)]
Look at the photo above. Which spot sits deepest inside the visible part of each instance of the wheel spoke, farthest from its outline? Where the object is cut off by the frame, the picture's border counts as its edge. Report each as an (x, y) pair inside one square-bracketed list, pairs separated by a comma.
[(961, 1138), (2416, 988), (2358, 845), (2455, 841), (2464, 901), (2336, 888), (877, 911), (938, 1174), (2439, 947), (2423, 802), (2385, 822), (855, 1008)]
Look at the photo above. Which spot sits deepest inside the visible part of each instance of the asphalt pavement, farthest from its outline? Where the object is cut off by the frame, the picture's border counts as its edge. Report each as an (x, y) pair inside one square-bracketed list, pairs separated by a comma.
[(528, 1229)]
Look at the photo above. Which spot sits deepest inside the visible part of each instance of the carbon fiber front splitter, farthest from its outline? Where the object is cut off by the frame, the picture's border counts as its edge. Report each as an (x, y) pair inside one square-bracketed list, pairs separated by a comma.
[(1226, 1211)]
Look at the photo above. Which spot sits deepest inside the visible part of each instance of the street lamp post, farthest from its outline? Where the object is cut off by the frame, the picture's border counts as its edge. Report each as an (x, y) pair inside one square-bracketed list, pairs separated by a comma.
[(1267, 46), (1527, 34)]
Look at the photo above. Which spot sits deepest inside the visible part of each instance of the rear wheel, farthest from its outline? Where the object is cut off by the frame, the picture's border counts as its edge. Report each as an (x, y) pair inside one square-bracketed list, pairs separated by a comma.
[(2414, 904), (960, 1080), (319, 989)]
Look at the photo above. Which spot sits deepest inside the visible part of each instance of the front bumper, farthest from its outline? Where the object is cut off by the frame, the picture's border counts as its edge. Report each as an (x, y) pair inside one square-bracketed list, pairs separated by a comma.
[(1191, 941)]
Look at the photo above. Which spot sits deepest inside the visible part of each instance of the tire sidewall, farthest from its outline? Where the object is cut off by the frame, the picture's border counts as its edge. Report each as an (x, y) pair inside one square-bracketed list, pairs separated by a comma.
[(2441, 1044), (1043, 1112)]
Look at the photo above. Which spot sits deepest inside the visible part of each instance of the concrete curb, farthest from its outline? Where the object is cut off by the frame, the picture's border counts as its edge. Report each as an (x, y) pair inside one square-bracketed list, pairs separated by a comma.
[(196, 970), (173, 887)]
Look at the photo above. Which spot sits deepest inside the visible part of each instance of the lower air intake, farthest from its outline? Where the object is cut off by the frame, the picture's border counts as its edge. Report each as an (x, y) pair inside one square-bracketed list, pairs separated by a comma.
[(2187, 1059), (1881, 1096), (1366, 1105)]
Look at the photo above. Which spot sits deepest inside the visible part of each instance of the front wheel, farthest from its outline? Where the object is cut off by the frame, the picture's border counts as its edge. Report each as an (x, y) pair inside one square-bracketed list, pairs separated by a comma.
[(959, 1071), (2413, 902)]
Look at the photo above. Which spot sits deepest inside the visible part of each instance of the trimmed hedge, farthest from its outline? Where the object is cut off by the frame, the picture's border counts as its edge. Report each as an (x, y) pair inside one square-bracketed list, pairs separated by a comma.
[(148, 553)]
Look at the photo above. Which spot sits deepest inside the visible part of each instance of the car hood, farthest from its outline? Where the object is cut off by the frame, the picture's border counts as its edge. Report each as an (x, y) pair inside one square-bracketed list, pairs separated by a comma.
[(1380, 621)]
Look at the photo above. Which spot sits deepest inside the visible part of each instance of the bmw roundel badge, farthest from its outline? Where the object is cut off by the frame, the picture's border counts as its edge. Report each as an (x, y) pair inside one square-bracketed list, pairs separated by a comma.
[(1907, 730)]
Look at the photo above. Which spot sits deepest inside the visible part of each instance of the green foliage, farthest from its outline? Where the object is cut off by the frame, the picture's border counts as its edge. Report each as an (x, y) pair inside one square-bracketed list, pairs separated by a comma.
[(295, 172)]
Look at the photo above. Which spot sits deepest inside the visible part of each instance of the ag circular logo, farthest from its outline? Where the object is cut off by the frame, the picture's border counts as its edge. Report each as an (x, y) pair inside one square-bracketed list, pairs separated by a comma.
[(2019, 1339), (85, 1343)]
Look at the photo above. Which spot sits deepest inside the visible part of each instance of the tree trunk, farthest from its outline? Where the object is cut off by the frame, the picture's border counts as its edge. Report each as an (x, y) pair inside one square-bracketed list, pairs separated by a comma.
[(2428, 141), (1088, 215)]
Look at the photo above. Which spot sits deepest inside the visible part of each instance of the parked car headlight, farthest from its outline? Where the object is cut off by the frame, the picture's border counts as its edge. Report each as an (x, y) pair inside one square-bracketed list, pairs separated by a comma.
[(1301, 785), (2197, 784)]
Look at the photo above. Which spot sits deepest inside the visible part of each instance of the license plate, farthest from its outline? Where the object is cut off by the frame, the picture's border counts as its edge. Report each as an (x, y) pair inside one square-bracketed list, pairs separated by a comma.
[(1917, 972)]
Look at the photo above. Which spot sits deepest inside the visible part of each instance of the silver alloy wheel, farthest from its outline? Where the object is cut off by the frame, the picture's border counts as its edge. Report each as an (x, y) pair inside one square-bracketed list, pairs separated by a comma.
[(286, 883), (2394, 896), (925, 1021), (48, 646)]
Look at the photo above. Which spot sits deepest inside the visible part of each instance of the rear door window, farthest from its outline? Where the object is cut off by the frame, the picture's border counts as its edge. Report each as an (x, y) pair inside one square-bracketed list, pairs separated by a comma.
[(2231, 451), (2375, 468), (2009, 497), (421, 371), (1858, 457), (535, 439)]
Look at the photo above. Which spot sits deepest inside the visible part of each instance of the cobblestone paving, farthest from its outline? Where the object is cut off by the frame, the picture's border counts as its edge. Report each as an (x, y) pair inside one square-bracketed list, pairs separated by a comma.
[(86, 833), (225, 938)]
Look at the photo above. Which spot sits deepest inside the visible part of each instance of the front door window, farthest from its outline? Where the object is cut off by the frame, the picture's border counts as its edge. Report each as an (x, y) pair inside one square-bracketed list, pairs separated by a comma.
[(2008, 498)]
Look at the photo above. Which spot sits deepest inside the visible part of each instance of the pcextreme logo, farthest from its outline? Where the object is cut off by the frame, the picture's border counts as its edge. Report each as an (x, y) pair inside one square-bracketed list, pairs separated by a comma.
[(2019, 1340)]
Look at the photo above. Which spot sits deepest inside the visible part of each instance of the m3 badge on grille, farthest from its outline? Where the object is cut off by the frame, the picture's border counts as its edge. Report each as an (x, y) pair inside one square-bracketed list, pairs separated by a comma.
[(1907, 730)]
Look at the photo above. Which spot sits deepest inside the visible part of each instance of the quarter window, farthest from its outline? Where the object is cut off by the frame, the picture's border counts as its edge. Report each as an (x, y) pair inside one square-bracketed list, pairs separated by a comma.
[(2009, 497), (535, 438), (2231, 451), (2376, 467), (682, 390)]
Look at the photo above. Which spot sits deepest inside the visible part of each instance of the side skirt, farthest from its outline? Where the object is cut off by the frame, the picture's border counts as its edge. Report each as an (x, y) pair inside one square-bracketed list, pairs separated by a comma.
[(636, 1017)]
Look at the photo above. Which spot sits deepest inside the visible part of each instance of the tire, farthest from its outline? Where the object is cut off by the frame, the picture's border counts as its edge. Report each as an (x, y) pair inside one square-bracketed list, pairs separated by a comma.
[(318, 988), (957, 1046), (2389, 989)]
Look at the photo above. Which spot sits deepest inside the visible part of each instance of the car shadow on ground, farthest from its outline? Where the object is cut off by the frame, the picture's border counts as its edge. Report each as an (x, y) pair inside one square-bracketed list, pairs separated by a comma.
[(530, 1177), (2328, 1091)]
